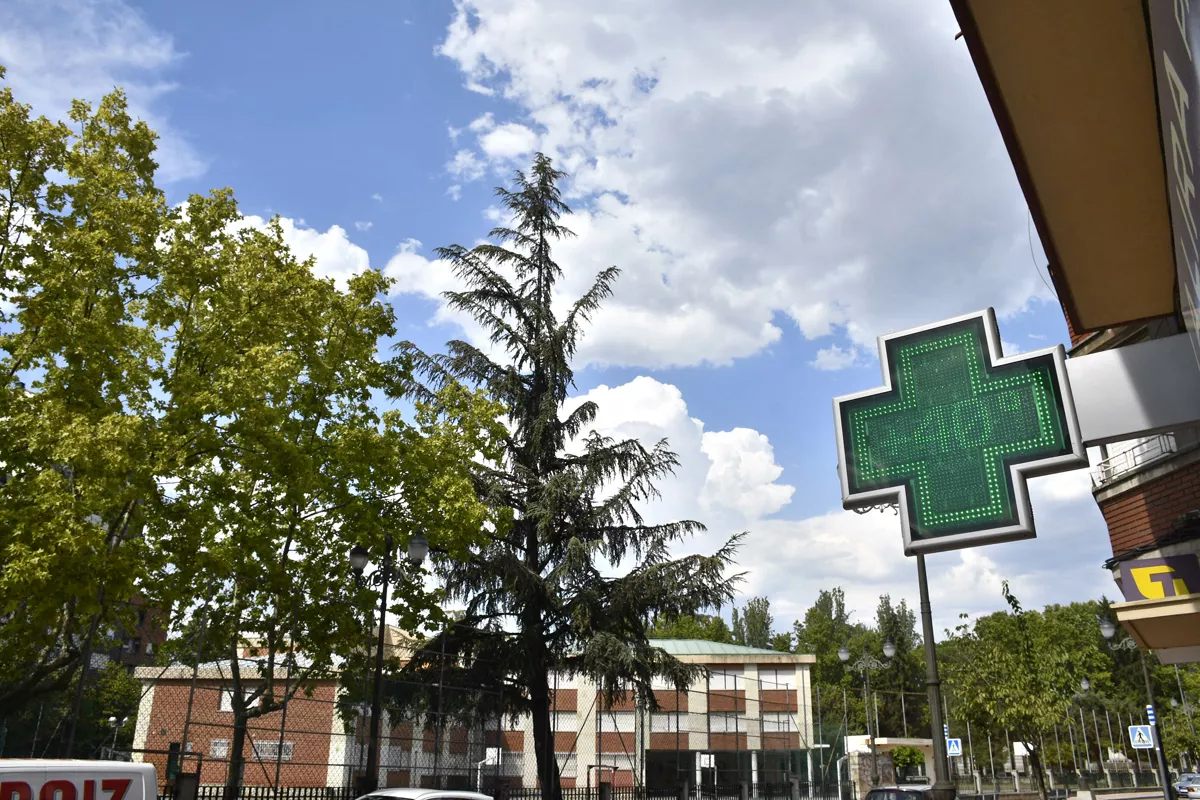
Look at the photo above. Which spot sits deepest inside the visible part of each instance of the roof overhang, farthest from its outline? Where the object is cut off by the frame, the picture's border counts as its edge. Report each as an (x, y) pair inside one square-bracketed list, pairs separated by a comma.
[(1167, 624), (1073, 88)]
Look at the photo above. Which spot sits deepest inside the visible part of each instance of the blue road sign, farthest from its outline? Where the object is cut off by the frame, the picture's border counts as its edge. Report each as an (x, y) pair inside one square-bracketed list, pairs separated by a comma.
[(1150, 714), (954, 747), (1141, 737)]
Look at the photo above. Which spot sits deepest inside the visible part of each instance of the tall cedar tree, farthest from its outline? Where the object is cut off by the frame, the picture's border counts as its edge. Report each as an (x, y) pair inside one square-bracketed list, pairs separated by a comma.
[(536, 599)]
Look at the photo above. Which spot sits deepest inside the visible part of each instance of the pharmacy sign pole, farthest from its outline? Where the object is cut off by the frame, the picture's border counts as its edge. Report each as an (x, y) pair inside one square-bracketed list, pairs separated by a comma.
[(950, 439)]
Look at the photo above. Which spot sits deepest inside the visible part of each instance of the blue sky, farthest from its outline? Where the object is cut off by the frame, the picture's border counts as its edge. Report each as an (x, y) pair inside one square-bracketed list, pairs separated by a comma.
[(780, 185)]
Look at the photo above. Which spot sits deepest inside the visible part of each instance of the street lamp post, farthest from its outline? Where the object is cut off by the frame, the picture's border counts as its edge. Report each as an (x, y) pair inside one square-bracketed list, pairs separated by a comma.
[(116, 726), (418, 548), (865, 665), (1108, 630)]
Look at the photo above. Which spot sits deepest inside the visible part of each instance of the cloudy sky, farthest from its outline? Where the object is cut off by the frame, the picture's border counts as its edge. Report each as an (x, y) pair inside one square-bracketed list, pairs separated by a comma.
[(780, 182)]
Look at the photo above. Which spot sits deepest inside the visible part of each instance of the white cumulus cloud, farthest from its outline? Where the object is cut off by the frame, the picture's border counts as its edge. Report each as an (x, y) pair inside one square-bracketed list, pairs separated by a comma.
[(830, 166), (334, 255), (57, 51), (730, 481)]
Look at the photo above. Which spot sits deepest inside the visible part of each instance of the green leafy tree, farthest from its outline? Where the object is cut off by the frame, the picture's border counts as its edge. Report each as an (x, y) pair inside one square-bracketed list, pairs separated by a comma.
[(907, 759), (1019, 671), (270, 376), (535, 594), (79, 220), (905, 673), (782, 642), (753, 628), (692, 626)]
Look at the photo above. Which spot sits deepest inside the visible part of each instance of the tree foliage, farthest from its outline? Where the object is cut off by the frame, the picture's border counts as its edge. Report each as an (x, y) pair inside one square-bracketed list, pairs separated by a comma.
[(706, 627), (575, 495), (752, 627), (79, 219), (191, 413)]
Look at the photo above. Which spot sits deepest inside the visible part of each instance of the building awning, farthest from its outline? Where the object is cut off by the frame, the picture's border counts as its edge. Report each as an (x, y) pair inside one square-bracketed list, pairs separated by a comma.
[(1073, 89), (1169, 625)]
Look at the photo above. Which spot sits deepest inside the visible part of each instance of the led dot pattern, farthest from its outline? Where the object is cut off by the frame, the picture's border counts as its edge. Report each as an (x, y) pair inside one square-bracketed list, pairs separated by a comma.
[(951, 427)]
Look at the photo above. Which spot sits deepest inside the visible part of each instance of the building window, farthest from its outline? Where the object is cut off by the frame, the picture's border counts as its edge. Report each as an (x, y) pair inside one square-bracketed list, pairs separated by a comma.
[(777, 678), (777, 722), (725, 681), (149, 648), (725, 722), (618, 721), (665, 723), (560, 680), (566, 764), (618, 761), (269, 751), (227, 698), (218, 748), (564, 721)]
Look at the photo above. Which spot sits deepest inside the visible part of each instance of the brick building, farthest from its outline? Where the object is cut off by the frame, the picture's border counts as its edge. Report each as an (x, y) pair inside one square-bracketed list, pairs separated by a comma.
[(1106, 157), (749, 719)]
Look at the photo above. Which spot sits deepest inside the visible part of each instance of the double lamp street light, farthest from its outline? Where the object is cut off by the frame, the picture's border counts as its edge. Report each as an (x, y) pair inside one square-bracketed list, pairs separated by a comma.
[(418, 548), (865, 665)]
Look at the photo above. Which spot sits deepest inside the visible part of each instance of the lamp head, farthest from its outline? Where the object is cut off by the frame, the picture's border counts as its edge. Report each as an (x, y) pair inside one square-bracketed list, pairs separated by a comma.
[(889, 648), (844, 653), (418, 548), (358, 559)]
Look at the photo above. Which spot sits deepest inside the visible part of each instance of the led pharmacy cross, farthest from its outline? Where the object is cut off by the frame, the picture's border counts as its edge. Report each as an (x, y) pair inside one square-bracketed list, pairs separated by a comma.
[(954, 432)]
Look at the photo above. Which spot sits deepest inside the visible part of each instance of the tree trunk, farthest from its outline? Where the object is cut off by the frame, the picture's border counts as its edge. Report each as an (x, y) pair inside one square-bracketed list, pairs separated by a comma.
[(1039, 774), (539, 698), (543, 738), (237, 761)]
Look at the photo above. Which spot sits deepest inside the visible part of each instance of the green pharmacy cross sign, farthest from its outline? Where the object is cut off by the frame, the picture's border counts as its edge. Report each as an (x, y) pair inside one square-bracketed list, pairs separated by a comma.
[(954, 433)]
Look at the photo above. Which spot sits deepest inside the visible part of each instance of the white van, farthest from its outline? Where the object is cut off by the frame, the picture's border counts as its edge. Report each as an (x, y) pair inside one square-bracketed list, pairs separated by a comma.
[(51, 779)]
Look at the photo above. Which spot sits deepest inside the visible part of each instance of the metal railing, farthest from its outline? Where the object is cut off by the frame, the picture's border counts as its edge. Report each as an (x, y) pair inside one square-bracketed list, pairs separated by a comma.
[(1143, 453)]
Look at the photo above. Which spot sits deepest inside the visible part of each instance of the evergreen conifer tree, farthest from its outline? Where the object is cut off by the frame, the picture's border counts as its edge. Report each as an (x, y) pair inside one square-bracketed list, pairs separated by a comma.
[(538, 596)]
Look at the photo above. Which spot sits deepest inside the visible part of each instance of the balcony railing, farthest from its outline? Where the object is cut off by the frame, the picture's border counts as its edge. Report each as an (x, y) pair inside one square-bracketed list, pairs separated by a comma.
[(1145, 452)]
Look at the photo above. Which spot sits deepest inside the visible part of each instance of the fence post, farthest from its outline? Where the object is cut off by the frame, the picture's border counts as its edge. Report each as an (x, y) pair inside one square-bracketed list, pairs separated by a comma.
[(796, 786), (743, 791)]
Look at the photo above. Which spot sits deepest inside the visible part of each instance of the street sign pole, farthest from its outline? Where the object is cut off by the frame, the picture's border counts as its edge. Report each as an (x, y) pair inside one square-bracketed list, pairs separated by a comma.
[(1164, 774), (943, 788)]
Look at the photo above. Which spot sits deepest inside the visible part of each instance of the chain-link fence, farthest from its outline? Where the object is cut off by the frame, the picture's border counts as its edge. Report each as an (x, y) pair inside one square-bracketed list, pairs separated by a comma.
[(743, 730), (740, 730)]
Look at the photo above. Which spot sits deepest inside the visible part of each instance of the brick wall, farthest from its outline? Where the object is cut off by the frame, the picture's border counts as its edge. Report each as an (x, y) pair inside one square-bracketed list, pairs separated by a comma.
[(1076, 338), (1147, 513), (669, 700), (309, 727)]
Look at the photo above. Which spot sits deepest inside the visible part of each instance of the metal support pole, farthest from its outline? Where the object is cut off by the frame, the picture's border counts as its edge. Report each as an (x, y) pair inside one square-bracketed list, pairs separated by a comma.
[(1187, 706), (992, 766), (820, 741), (1083, 740), (1164, 774), (1074, 754), (371, 779), (870, 735), (943, 788)]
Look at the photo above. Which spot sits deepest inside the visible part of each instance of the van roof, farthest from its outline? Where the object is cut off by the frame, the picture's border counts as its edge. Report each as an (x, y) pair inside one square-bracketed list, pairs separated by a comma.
[(65, 763)]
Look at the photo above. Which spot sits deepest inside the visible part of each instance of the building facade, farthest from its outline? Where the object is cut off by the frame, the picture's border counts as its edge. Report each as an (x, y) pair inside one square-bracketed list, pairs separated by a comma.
[(749, 719), (1106, 159)]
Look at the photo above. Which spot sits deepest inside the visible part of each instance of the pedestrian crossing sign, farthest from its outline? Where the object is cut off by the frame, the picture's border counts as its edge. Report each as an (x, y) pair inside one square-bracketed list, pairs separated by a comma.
[(954, 747), (1141, 738)]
